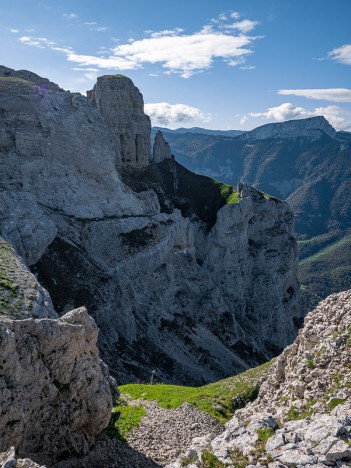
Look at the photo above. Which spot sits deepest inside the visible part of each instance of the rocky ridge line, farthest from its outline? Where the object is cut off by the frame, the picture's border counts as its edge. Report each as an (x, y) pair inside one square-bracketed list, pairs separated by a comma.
[(181, 274), (302, 416)]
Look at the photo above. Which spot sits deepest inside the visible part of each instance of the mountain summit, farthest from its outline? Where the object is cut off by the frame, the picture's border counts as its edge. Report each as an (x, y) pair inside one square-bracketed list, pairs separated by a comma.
[(313, 127)]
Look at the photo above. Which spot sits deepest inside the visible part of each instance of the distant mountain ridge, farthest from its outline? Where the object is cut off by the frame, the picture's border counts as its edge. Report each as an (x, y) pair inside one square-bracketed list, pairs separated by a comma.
[(199, 130), (313, 127), (305, 162)]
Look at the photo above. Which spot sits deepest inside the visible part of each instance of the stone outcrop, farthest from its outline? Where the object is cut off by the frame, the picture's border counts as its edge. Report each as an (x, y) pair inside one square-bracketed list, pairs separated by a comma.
[(57, 150), (161, 149), (21, 296), (302, 416), (122, 106), (171, 293), (54, 390), (177, 280), (9, 459), (15, 76), (314, 127)]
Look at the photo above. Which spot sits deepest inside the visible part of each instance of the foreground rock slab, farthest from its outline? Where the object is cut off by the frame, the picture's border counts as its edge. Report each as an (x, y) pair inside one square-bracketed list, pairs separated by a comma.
[(55, 395)]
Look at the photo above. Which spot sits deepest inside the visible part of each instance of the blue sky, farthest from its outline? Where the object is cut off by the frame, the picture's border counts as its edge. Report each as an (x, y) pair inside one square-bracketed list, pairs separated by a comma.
[(212, 63)]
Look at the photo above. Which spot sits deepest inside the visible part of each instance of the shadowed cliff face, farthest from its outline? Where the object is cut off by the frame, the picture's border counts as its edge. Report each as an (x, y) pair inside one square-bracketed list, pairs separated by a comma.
[(182, 275)]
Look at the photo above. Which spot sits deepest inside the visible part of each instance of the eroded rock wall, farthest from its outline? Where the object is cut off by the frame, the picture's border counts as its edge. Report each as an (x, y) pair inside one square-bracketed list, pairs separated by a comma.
[(177, 280), (122, 106)]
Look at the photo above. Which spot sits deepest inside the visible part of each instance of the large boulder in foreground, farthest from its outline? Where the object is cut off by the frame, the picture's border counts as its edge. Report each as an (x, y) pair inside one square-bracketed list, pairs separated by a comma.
[(55, 395)]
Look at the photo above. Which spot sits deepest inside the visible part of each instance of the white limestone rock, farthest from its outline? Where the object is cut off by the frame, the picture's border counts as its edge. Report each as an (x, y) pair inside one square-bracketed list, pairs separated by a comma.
[(21, 296), (161, 149), (54, 390), (322, 437), (122, 106), (57, 147)]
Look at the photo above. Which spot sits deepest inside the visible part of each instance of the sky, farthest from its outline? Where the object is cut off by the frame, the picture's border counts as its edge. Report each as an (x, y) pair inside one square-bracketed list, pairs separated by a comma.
[(220, 64)]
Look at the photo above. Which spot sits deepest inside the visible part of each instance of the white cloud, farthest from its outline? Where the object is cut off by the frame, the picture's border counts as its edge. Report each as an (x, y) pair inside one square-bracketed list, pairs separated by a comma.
[(165, 114), (86, 69), (166, 32), (41, 43), (339, 118), (177, 52), (235, 15), (341, 54), (327, 94), (14, 30), (243, 26), (69, 15), (248, 67)]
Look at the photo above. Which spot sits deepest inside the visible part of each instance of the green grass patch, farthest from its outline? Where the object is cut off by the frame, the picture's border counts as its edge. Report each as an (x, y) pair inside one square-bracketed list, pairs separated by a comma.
[(118, 75), (345, 241), (310, 364), (270, 197), (264, 433), (300, 413), (239, 459), (228, 193), (11, 83), (216, 399), (334, 403), (208, 460), (124, 418)]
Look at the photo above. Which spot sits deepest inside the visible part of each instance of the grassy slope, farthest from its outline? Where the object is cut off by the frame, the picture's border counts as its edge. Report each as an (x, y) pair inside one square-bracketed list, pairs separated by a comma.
[(215, 399), (326, 271)]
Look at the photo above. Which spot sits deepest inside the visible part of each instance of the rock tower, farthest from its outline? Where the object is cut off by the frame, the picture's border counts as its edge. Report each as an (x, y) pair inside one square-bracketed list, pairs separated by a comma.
[(122, 106)]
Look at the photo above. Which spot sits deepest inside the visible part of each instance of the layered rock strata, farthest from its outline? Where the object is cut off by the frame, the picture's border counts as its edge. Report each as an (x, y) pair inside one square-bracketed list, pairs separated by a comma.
[(122, 106), (182, 275)]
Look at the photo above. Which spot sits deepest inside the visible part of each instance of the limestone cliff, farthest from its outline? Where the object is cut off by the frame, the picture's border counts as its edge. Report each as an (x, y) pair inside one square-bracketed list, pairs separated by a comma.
[(121, 105), (161, 149), (182, 274)]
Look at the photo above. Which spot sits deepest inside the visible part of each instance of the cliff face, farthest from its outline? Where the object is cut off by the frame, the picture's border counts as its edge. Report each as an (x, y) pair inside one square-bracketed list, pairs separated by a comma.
[(122, 106), (182, 275)]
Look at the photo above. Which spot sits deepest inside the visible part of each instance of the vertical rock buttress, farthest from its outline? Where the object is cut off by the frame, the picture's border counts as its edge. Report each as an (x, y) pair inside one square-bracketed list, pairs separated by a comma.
[(122, 107)]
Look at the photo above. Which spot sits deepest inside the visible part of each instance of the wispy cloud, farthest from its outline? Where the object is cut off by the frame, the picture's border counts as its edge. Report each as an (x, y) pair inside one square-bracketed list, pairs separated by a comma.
[(163, 113), (327, 94), (14, 31), (243, 26), (336, 116), (341, 54), (176, 52), (70, 16)]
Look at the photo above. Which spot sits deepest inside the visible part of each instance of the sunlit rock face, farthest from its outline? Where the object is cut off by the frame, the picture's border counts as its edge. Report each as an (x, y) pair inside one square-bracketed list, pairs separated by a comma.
[(177, 280), (122, 107)]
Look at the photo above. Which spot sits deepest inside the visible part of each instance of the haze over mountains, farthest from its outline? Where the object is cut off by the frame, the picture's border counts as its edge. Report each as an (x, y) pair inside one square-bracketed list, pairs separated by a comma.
[(305, 162)]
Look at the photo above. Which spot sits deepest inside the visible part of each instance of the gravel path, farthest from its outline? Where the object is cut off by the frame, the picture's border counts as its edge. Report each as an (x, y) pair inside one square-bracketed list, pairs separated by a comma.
[(164, 434), (160, 438)]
